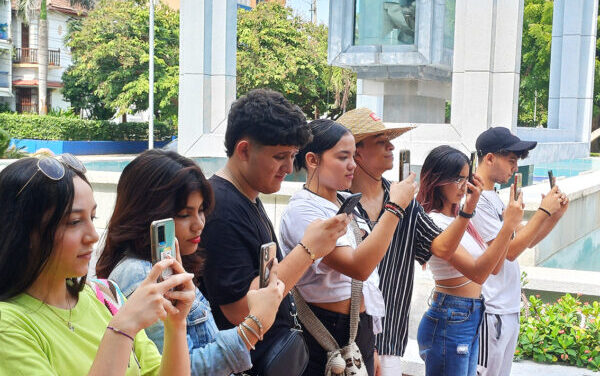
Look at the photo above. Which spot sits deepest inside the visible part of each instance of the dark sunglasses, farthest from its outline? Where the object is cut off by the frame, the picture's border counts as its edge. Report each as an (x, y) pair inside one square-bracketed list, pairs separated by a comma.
[(54, 167)]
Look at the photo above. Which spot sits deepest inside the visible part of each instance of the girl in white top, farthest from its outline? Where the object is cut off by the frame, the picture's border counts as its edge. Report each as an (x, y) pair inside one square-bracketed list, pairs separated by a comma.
[(326, 286), (448, 333)]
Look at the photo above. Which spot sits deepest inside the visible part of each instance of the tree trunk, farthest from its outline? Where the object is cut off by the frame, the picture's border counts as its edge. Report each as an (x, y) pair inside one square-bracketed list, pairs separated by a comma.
[(43, 59)]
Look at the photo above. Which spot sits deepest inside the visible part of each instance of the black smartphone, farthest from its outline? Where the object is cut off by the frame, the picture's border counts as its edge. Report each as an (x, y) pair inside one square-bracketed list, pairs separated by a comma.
[(267, 255), (350, 203), (404, 164), (472, 167), (162, 242), (518, 184), (551, 178)]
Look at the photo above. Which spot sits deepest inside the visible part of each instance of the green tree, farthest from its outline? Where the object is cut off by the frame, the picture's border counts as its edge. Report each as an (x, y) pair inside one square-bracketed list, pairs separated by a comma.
[(535, 62), (110, 59), (279, 51), (535, 65)]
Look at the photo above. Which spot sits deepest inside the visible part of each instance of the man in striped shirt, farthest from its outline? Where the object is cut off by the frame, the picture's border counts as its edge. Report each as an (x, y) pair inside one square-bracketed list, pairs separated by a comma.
[(416, 237)]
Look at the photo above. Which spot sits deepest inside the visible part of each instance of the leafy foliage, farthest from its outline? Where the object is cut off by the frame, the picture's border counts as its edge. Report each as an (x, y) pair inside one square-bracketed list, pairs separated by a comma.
[(9, 152), (68, 128), (110, 53), (535, 64), (279, 51), (567, 331)]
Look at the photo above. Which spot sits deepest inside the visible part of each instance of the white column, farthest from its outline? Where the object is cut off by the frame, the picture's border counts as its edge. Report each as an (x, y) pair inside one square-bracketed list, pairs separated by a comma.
[(485, 77), (207, 77), (572, 67)]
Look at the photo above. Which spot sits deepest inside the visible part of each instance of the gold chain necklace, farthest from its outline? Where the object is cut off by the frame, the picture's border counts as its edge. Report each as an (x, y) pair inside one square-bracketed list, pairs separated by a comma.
[(68, 323)]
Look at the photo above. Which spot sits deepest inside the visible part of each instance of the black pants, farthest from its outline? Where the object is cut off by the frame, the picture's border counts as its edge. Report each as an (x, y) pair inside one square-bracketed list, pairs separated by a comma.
[(339, 326)]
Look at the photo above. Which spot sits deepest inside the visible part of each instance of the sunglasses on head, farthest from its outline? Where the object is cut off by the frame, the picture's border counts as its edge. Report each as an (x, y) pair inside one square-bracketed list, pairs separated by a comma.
[(54, 167)]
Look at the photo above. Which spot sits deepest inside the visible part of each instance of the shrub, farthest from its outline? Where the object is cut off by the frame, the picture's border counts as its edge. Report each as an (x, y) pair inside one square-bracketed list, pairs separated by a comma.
[(66, 128), (567, 331), (4, 141)]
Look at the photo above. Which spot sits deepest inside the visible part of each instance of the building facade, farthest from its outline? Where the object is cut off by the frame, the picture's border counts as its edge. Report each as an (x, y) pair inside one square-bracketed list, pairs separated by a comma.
[(19, 68)]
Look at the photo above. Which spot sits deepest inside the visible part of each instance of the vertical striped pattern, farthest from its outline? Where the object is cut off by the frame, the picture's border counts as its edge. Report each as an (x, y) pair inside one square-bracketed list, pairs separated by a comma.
[(483, 343), (412, 241)]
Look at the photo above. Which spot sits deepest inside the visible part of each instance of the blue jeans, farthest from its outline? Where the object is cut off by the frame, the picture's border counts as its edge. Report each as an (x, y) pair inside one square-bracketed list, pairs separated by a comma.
[(448, 335)]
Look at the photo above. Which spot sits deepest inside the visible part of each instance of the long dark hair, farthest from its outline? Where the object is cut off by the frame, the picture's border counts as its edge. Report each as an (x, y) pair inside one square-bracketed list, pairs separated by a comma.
[(155, 185), (325, 135), (29, 221), (442, 165)]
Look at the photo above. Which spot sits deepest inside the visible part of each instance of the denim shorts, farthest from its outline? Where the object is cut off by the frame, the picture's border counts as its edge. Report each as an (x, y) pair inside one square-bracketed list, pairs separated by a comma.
[(448, 335)]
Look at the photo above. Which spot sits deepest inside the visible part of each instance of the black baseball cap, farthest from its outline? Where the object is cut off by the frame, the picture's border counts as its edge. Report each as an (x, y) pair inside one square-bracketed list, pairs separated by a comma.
[(496, 139)]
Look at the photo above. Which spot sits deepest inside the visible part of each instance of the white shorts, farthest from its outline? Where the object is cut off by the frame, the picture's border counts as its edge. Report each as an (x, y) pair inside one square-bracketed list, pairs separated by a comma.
[(390, 365), (497, 343)]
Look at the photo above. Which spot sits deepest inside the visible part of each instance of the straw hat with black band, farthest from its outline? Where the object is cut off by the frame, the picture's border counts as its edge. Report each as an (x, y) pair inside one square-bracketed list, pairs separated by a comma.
[(364, 123)]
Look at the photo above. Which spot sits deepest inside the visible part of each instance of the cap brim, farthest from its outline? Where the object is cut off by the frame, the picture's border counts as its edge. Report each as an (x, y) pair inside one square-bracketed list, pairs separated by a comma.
[(390, 132), (522, 146)]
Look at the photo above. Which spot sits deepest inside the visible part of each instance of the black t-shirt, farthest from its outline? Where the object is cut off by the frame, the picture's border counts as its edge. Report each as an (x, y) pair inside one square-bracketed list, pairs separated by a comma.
[(232, 237)]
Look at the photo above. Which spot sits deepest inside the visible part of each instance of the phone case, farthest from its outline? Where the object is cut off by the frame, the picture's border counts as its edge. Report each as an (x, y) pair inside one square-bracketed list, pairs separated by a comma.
[(267, 254), (162, 241), (519, 184), (350, 203), (404, 164)]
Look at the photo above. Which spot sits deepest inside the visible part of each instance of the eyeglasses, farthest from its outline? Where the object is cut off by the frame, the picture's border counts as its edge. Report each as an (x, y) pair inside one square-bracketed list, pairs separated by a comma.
[(54, 168), (460, 181)]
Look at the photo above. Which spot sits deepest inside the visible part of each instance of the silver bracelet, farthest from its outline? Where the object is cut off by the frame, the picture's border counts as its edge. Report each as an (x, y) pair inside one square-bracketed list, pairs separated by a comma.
[(251, 330), (258, 323), (245, 337)]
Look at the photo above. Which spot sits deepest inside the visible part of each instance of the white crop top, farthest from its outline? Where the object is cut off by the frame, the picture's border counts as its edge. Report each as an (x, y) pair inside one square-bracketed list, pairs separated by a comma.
[(439, 267)]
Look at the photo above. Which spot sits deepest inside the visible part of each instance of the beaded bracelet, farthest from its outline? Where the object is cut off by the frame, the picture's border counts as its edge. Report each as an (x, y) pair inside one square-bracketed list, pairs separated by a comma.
[(312, 255), (396, 206), (394, 211), (258, 323)]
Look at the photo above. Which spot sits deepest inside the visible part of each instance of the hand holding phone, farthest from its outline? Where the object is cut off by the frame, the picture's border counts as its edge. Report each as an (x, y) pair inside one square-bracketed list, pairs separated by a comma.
[(472, 168), (350, 203), (404, 164), (518, 185), (551, 178), (162, 242), (267, 255)]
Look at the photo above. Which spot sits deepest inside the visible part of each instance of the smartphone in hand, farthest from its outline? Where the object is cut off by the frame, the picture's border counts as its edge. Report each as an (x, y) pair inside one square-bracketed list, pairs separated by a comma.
[(518, 184), (162, 242), (267, 257), (472, 168), (551, 178), (350, 203), (404, 164)]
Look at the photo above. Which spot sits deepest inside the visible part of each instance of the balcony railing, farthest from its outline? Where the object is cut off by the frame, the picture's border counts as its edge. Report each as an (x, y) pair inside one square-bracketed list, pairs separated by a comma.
[(4, 82), (30, 56)]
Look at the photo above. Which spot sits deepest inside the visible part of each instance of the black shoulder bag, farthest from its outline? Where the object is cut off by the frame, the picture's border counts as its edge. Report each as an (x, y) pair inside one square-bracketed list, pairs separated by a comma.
[(288, 355)]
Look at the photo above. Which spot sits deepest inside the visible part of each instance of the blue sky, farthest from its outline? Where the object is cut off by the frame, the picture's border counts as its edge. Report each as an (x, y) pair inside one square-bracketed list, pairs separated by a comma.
[(302, 8)]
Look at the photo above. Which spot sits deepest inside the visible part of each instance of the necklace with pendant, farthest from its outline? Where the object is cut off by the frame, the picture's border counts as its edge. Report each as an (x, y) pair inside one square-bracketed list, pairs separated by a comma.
[(68, 323)]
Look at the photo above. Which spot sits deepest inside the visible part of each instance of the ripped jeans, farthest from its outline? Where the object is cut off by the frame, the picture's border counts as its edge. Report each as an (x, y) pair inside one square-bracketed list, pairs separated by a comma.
[(448, 335)]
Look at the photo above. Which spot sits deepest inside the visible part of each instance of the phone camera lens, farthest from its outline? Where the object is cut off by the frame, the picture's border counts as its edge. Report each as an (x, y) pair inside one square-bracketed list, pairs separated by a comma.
[(161, 234)]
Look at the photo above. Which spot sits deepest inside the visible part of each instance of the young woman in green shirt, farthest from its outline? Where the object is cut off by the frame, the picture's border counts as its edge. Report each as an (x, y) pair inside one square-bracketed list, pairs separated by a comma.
[(51, 321)]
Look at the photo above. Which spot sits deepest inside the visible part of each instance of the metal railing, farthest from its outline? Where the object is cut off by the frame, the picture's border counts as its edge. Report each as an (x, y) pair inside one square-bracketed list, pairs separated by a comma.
[(30, 56)]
